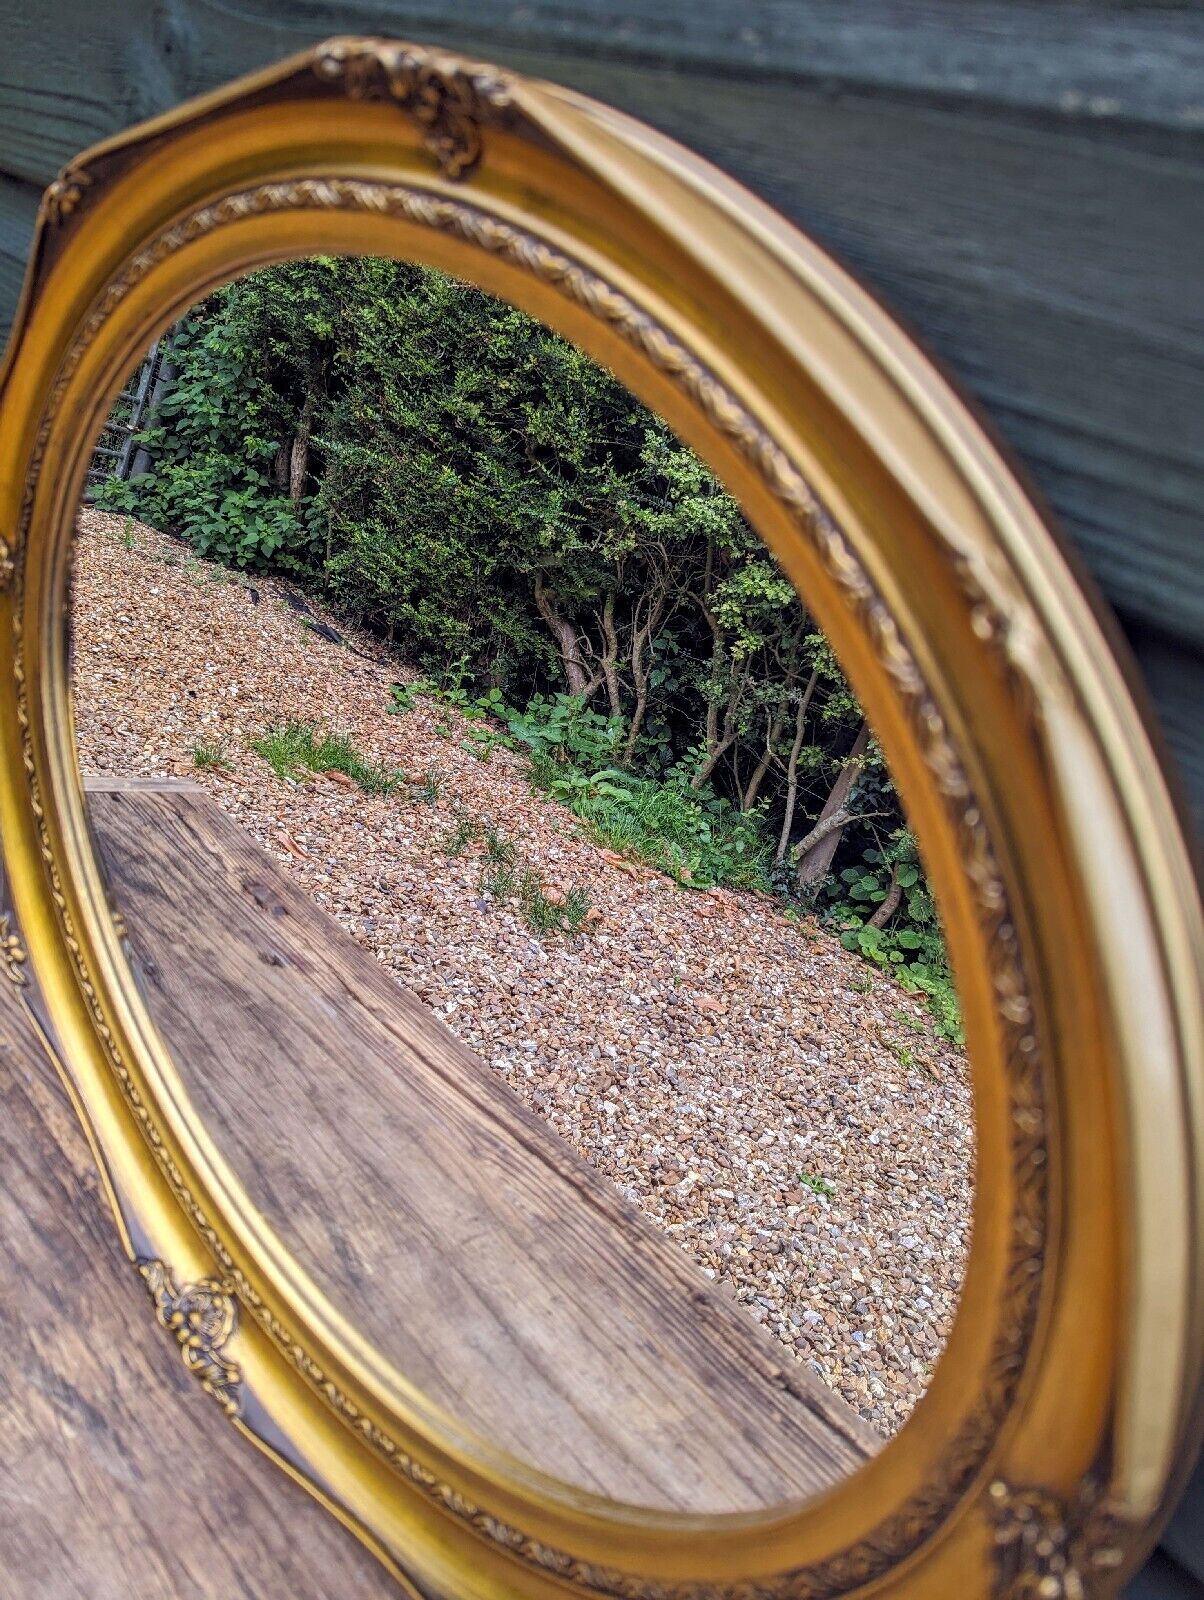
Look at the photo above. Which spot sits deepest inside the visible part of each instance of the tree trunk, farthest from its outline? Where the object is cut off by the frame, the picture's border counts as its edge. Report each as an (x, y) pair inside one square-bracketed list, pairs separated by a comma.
[(643, 635), (298, 465), (718, 744), (610, 660), (566, 639), (712, 761), (800, 724), (824, 829), (637, 720), (749, 798), (891, 904), (712, 725), (818, 848)]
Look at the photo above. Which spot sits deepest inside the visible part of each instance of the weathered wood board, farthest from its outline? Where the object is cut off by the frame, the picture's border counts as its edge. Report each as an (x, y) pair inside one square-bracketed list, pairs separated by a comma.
[(493, 1266), (119, 1478)]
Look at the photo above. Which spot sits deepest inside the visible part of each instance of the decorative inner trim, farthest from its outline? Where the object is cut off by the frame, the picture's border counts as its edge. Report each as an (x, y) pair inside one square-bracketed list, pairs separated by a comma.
[(1047, 1548)]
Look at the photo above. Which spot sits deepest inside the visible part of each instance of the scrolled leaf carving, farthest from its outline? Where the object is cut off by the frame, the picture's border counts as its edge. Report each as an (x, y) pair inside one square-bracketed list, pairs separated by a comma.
[(450, 99), (202, 1316), (64, 195), (1047, 1548), (13, 951)]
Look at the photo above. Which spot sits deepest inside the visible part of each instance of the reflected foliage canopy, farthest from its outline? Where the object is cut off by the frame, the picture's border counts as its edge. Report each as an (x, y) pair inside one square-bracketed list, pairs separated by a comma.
[(541, 548)]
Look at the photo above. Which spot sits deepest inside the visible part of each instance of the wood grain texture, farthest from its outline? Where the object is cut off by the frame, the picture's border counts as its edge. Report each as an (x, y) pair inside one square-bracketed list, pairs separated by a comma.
[(497, 1270), (119, 1478)]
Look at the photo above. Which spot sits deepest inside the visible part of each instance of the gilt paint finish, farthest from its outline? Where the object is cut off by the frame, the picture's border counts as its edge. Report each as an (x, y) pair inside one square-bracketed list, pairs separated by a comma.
[(1042, 249)]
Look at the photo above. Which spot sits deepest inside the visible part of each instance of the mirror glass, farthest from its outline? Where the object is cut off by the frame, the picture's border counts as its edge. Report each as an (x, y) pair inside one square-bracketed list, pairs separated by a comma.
[(519, 888)]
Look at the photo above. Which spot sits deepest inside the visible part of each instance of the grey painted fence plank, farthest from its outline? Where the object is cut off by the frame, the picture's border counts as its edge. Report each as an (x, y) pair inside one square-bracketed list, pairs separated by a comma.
[(1104, 64), (1162, 1578), (18, 209)]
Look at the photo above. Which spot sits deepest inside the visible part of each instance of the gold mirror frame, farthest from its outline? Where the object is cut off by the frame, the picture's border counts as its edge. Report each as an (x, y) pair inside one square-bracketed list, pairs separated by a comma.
[(1067, 1399)]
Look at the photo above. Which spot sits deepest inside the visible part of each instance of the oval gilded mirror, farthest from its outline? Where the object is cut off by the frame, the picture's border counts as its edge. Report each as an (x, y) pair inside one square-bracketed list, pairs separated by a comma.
[(488, 664), (587, 863)]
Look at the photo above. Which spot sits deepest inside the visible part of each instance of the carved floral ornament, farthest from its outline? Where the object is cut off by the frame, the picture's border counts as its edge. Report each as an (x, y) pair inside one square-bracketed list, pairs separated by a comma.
[(452, 100), (985, 791), (202, 1317), (63, 197), (13, 951), (1047, 1548)]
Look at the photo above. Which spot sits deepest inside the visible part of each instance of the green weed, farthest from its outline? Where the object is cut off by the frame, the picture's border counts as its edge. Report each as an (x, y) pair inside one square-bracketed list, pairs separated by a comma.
[(908, 1059), (482, 742), (403, 697), (497, 847), (499, 879), (576, 909), (816, 1185), (432, 784), (912, 1023), (456, 840), (545, 912), (539, 913)]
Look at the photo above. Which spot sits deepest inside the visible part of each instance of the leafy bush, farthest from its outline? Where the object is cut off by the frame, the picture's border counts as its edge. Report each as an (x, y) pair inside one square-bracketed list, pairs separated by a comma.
[(694, 836), (213, 448), (911, 945), (451, 473)]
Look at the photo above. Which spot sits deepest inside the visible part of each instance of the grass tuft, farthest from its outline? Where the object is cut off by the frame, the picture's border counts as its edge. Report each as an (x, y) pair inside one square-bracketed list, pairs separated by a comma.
[(292, 747), (539, 913), (547, 911), (210, 755), (456, 840), (432, 784), (499, 879), (576, 909), (497, 846)]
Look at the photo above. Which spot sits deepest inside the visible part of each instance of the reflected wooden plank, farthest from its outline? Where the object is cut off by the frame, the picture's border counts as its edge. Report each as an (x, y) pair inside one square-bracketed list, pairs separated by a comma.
[(496, 1269)]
